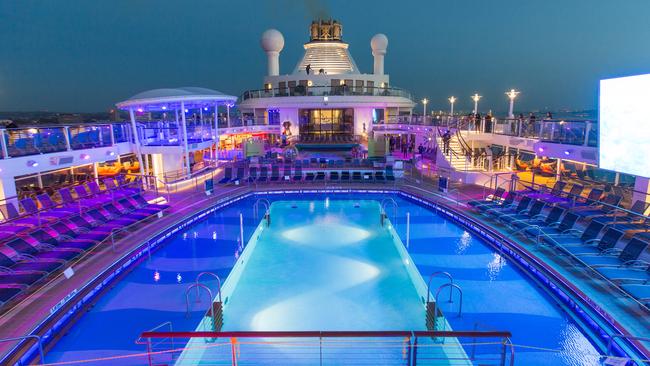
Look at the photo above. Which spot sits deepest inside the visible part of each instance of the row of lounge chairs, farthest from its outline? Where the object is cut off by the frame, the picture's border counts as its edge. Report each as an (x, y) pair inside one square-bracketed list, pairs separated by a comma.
[(593, 230), (43, 240), (296, 175)]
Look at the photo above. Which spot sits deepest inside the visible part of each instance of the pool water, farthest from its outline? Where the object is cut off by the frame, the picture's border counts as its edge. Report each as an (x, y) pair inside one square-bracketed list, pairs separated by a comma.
[(324, 265), (324, 252)]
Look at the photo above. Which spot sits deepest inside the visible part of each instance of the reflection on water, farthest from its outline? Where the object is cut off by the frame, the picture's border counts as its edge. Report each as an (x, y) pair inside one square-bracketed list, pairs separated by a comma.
[(464, 242), (576, 349), (495, 265)]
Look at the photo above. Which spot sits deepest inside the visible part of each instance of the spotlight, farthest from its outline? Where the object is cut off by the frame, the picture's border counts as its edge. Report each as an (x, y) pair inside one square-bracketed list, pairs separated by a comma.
[(84, 156), (110, 153), (32, 163), (164, 108), (541, 149), (567, 152)]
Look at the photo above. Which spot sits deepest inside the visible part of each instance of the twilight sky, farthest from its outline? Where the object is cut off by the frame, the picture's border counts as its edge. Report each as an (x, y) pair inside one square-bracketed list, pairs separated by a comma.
[(81, 55)]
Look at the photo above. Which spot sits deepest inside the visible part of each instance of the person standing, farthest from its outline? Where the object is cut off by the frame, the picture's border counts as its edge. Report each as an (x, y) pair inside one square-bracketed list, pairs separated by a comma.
[(446, 138)]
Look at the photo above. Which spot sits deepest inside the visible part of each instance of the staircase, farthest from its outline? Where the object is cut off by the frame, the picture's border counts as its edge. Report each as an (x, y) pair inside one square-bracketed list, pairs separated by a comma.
[(456, 157)]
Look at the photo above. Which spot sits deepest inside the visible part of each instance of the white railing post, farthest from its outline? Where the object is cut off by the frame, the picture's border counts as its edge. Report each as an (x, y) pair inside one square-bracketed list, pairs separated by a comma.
[(66, 134), (3, 143)]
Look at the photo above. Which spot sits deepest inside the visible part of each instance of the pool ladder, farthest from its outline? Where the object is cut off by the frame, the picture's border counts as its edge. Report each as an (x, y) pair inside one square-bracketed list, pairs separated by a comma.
[(215, 312), (384, 204), (267, 210), (433, 312)]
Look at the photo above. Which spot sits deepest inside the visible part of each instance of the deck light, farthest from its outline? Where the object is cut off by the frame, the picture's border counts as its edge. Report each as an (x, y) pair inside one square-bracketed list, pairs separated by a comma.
[(110, 153), (84, 156), (156, 276), (424, 106), (476, 98), (32, 163), (451, 100), (179, 278), (567, 152), (164, 108), (140, 110), (540, 149), (512, 94)]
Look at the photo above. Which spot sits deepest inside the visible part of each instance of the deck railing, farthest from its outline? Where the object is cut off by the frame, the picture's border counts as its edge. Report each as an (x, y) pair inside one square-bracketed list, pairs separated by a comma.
[(330, 347)]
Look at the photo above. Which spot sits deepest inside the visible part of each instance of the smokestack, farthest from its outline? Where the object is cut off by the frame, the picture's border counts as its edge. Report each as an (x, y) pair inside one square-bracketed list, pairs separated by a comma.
[(379, 44), (272, 43)]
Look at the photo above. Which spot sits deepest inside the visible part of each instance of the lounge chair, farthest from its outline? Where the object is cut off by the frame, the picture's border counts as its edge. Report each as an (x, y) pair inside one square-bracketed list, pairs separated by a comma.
[(334, 176), (390, 176), (539, 220), (633, 272), (636, 212), (544, 193), (252, 174), (367, 177), (522, 205), (42, 251), (345, 176), (494, 197), (592, 198), (227, 176), (286, 175), (275, 173), (608, 205), (498, 204), (574, 237), (264, 175), (616, 257), (596, 246), (356, 177), (309, 177), (525, 215), (379, 177), (320, 176), (556, 228), (297, 174)]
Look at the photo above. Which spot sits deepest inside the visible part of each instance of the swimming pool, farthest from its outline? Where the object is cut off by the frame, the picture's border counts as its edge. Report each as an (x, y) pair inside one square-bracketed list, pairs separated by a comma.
[(497, 295)]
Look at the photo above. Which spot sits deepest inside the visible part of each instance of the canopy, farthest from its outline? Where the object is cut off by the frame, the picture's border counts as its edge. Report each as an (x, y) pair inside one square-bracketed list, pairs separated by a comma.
[(171, 98)]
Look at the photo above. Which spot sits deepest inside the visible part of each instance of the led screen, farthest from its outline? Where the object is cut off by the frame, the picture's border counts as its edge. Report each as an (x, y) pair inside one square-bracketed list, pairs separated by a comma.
[(625, 125)]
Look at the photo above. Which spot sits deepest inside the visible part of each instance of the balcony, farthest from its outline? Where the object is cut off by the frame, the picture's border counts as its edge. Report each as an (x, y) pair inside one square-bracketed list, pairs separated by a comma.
[(340, 90), (17, 142), (568, 132)]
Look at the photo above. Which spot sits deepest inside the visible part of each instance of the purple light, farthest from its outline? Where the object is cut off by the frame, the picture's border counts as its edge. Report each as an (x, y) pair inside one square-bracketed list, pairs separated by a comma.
[(140, 110), (32, 163), (84, 156), (567, 152), (541, 149)]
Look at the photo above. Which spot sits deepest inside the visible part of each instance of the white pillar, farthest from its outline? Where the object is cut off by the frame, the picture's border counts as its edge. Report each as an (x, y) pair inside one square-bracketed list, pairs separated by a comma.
[(136, 140), (451, 111), (216, 133), (511, 113), (273, 68), (185, 144), (228, 115), (378, 64), (475, 106)]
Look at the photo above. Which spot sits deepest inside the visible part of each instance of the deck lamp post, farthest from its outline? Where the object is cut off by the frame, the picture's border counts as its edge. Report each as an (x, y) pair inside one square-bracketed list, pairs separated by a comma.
[(451, 100), (476, 98), (424, 107), (512, 94)]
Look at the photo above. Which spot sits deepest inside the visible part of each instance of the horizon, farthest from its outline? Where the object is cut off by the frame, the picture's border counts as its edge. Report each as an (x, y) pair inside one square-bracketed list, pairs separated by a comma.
[(78, 57)]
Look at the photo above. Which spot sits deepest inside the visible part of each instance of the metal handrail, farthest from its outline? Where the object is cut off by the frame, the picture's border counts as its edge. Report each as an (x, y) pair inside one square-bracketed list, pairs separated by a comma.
[(198, 277), (187, 296), (434, 274), (452, 285), (256, 205), (393, 203), (39, 342)]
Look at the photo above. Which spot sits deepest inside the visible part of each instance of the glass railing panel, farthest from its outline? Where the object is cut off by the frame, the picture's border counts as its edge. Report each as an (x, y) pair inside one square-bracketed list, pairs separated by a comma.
[(160, 136), (33, 141), (121, 132), (338, 90), (564, 132), (88, 137)]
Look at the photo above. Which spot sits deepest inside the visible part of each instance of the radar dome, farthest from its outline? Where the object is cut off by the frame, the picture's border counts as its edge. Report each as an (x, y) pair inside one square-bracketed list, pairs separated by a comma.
[(379, 42), (272, 40)]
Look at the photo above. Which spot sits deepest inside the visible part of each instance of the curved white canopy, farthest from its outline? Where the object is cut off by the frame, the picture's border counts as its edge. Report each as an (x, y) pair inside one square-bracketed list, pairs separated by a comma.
[(170, 98)]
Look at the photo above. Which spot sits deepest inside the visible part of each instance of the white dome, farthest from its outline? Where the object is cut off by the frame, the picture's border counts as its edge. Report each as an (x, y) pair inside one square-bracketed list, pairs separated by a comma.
[(379, 42), (272, 40)]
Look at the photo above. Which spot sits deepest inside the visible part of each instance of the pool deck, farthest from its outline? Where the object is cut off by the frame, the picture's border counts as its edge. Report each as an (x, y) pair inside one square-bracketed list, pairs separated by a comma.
[(22, 318)]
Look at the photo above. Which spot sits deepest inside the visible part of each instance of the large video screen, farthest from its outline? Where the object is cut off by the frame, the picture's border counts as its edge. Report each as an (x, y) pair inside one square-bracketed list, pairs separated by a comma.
[(625, 125)]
